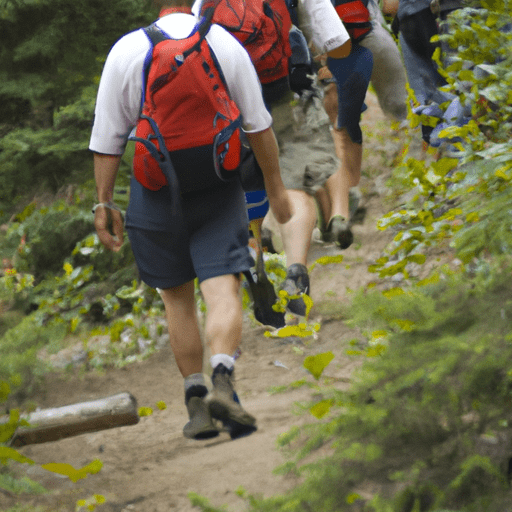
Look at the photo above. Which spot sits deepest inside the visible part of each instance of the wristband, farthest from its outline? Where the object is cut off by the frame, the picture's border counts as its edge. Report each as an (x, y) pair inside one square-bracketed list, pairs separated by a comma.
[(111, 205)]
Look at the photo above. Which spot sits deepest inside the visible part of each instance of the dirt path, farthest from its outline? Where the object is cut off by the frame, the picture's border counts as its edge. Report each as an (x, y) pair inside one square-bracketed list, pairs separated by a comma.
[(151, 467)]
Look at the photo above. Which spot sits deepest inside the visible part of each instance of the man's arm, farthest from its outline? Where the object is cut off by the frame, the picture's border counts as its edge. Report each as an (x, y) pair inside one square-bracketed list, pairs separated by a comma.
[(342, 51), (266, 151), (105, 172)]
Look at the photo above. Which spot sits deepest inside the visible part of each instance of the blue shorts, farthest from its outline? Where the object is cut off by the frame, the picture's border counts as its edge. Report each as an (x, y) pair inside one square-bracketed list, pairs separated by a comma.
[(209, 239), (352, 76)]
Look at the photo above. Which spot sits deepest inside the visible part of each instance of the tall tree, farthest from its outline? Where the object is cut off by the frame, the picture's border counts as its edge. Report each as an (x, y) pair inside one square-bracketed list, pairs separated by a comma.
[(51, 55)]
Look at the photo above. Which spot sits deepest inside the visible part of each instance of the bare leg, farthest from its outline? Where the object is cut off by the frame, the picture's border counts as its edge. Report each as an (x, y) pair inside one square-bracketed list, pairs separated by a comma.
[(185, 337), (296, 233), (350, 154), (224, 333), (324, 201), (224, 313), (348, 175)]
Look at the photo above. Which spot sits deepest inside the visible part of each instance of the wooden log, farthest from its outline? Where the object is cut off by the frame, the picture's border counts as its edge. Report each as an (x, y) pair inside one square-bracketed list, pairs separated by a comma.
[(72, 420)]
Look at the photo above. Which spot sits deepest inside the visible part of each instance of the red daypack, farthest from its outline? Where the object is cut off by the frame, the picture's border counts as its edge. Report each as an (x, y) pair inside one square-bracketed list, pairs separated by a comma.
[(262, 27), (186, 104), (355, 17)]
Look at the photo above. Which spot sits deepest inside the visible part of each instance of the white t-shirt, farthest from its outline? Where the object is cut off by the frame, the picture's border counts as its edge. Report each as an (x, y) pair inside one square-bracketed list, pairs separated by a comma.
[(321, 24), (119, 95), (318, 20)]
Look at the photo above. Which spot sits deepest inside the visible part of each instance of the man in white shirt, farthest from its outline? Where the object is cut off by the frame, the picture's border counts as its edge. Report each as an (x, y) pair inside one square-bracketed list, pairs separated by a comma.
[(208, 238)]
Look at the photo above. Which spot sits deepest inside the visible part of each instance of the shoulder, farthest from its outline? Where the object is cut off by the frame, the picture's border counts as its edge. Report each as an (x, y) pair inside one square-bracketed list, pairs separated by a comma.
[(219, 37), (177, 25), (130, 44)]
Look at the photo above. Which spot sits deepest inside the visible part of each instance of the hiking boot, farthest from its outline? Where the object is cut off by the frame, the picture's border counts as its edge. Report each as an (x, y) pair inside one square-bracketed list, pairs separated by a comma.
[(296, 283), (338, 231), (200, 425), (224, 405)]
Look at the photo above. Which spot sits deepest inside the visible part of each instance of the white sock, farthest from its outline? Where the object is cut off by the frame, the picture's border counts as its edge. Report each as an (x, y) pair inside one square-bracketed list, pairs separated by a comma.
[(196, 379), (227, 361)]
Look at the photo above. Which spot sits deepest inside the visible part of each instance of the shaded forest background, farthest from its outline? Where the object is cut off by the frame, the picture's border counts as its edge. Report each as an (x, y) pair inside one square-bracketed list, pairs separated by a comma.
[(430, 412)]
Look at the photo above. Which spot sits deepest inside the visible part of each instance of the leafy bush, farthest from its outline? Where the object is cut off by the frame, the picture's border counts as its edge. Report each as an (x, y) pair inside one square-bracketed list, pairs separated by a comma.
[(463, 201), (50, 72)]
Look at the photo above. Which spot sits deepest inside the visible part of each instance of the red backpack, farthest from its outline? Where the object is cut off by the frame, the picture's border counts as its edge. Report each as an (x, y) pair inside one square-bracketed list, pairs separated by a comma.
[(262, 27), (185, 104), (355, 17)]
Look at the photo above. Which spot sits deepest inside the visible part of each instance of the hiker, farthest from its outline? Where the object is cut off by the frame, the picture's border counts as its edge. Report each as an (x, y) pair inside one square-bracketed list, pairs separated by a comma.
[(186, 216), (270, 50), (416, 22), (351, 65), (416, 25), (329, 202)]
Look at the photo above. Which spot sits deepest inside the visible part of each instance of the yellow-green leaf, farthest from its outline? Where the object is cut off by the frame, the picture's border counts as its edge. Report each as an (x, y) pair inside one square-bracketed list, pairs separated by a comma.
[(7, 429), (320, 409), (393, 292), (327, 260), (376, 335), (7, 454), (351, 498), (145, 411), (161, 405), (74, 474), (429, 280), (317, 364), (405, 325), (376, 350), (301, 330), (308, 301)]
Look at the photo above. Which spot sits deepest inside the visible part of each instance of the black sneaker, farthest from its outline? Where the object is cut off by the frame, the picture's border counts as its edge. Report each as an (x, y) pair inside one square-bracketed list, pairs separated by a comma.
[(338, 231), (296, 283), (224, 405), (200, 425)]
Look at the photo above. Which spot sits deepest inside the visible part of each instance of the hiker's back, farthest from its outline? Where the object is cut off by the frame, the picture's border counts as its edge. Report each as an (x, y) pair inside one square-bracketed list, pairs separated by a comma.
[(262, 27), (186, 107)]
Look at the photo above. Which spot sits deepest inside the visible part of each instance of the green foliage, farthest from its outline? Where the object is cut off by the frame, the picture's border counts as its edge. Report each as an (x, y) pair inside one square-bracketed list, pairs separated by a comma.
[(463, 202), (47, 236), (431, 412), (203, 503), (19, 348), (21, 485), (51, 59)]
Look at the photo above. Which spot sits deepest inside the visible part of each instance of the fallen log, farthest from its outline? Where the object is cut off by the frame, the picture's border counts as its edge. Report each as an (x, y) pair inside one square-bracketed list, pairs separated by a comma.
[(72, 420)]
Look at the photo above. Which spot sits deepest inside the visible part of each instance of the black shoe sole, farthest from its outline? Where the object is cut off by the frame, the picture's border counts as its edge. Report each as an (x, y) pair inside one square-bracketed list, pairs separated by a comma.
[(226, 414)]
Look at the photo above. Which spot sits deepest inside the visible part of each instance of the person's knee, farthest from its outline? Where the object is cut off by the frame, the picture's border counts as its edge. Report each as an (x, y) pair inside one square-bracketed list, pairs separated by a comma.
[(221, 291), (178, 296)]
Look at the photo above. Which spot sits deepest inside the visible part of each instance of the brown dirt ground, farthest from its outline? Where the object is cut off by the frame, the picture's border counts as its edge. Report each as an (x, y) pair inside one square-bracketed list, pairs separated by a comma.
[(151, 467)]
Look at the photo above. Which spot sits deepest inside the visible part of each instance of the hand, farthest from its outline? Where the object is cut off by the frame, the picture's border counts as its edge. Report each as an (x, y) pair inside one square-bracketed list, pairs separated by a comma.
[(324, 73), (281, 206), (112, 241)]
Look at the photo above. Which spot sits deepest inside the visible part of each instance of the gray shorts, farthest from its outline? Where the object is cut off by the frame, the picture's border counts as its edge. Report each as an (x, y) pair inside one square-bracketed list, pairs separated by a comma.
[(209, 239)]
